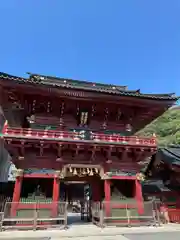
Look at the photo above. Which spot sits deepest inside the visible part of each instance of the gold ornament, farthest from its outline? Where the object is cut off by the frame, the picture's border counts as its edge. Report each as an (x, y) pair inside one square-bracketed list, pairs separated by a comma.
[(91, 173), (140, 177), (75, 172), (19, 172), (96, 170)]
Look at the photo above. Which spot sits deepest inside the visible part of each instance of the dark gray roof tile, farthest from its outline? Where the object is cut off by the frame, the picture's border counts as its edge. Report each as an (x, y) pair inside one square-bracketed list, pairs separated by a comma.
[(87, 86)]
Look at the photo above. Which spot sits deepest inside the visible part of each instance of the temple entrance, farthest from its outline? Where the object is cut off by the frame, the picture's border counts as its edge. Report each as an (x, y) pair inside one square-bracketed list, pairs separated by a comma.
[(80, 186), (77, 195)]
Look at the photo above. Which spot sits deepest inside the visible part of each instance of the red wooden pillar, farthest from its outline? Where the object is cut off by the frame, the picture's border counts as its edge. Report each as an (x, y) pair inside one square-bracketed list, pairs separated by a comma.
[(55, 198), (96, 192), (16, 195), (107, 190), (139, 197)]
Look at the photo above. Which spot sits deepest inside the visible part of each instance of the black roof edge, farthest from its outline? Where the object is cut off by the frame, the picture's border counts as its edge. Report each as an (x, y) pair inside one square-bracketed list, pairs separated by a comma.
[(49, 80)]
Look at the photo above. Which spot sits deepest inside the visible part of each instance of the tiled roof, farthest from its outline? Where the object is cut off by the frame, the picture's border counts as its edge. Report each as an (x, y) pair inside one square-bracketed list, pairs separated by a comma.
[(170, 155), (153, 186), (84, 85)]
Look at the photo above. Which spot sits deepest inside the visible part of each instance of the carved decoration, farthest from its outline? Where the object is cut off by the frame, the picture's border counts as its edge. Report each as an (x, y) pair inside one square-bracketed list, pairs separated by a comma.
[(82, 170), (19, 173), (81, 134), (93, 110), (105, 176), (83, 118), (17, 105), (41, 148), (31, 119), (57, 174), (93, 154), (61, 121), (128, 127), (48, 107), (77, 111), (12, 96), (106, 113), (14, 99), (119, 114), (74, 93), (33, 105), (60, 146), (140, 177)]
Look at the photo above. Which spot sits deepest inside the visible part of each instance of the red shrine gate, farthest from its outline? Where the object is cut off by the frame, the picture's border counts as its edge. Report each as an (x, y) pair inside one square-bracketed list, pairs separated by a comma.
[(66, 130), (94, 174)]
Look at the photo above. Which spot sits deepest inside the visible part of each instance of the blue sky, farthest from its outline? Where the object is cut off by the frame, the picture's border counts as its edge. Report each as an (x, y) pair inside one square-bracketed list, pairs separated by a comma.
[(123, 42)]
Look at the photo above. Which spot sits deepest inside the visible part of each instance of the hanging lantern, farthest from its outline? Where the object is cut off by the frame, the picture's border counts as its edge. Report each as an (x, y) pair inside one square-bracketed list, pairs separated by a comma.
[(70, 170), (88, 171), (75, 171), (84, 171)]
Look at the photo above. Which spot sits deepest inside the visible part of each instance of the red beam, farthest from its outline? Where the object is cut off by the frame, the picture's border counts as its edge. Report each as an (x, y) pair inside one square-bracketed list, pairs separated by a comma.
[(124, 177), (38, 175)]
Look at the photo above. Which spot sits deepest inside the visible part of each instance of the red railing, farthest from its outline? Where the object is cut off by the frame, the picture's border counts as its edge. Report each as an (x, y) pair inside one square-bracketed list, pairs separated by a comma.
[(174, 215), (78, 136)]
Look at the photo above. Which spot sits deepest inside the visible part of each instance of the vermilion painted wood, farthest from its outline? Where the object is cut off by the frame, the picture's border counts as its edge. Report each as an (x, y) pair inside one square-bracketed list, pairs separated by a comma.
[(16, 195), (174, 215), (36, 175), (124, 177), (32, 134)]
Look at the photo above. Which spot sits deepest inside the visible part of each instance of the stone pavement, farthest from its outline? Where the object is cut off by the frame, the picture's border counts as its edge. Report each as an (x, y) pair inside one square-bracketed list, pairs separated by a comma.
[(91, 232), (154, 236)]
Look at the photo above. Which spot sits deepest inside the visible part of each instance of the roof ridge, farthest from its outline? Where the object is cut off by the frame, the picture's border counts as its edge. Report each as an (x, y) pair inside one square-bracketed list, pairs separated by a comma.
[(66, 83), (47, 77), (3, 74), (159, 94)]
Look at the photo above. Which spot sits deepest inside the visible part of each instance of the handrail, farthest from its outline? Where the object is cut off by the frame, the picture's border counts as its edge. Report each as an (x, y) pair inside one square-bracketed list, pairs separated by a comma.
[(81, 135)]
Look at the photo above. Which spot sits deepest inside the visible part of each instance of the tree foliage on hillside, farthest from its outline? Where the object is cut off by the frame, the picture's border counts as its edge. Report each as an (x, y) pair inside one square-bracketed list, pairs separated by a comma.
[(166, 128)]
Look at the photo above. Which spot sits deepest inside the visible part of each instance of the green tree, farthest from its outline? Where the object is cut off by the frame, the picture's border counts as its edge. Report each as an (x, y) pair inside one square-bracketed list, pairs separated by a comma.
[(166, 128)]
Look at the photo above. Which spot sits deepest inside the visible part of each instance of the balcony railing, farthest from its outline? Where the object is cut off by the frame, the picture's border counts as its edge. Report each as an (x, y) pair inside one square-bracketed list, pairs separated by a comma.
[(78, 136)]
